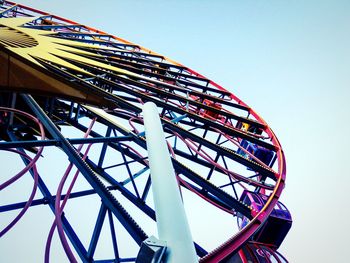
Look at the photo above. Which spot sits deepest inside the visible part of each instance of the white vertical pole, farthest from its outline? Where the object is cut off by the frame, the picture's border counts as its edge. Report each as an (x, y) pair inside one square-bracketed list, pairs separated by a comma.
[(170, 213)]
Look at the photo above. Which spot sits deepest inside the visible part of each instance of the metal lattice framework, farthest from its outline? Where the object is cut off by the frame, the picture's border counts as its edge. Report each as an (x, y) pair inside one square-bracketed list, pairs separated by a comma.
[(73, 91)]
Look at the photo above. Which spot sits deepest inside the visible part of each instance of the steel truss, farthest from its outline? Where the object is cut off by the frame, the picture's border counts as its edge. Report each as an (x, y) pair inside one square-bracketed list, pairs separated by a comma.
[(204, 125)]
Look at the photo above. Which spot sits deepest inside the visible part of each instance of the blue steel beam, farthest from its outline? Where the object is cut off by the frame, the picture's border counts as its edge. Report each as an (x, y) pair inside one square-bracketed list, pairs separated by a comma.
[(104, 148), (11, 8), (140, 203), (79, 247), (160, 91), (147, 188), (213, 190), (113, 260), (38, 143), (45, 201), (228, 130), (113, 236), (124, 163), (108, 43), (44, 27), (134, 176), (97, 231), (108, 199), (121, 54), (129, 171), (80, 34), (125, 192)]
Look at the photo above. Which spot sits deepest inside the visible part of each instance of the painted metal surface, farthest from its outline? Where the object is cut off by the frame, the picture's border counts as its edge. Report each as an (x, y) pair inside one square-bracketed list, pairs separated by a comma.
[(76, 75), (171, 217)]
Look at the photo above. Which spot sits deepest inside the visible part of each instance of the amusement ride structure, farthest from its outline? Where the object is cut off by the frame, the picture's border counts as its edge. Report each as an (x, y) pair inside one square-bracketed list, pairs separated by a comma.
[(73, 120)]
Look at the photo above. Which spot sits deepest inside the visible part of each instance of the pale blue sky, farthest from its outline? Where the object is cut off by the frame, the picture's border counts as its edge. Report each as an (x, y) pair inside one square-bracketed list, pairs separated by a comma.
[(290, 61)]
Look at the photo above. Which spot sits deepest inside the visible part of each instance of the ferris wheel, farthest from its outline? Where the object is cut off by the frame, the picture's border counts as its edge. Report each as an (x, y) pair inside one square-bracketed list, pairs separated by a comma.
[(73, 139)]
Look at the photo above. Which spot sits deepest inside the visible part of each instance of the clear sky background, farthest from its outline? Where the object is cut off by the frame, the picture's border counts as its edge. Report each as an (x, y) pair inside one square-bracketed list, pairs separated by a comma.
[(290, 61)]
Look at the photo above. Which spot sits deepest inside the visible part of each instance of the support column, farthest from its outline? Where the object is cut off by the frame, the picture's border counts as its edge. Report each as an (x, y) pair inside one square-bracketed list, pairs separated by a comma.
[(170, 213)]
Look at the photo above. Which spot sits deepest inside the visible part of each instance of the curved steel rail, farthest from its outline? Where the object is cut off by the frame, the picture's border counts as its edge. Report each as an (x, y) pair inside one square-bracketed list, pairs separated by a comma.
[(87, 65)]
